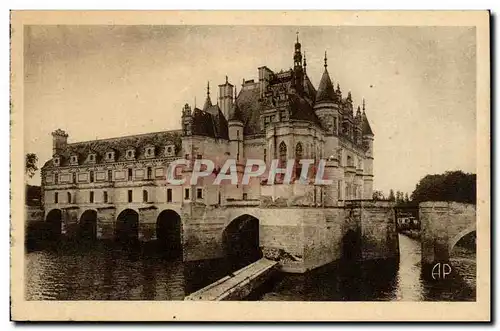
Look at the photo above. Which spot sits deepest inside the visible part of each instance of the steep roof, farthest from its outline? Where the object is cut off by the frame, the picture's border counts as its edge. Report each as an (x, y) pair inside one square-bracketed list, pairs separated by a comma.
[(249, 105), (210, 123), (236, 114), (301, 110), (326, 91), (309, 89), (120, 145), (367, 130)]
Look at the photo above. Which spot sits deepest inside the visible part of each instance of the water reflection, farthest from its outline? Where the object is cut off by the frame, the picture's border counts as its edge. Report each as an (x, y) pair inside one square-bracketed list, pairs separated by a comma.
[(376, 281), (103, 272)]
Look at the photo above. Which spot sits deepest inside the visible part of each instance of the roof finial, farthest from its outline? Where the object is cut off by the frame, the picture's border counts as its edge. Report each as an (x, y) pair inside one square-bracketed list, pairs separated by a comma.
[(305, 63), (208, 88), (235, 93), (194, 102), (226, 79), (297, 37), (326, 65)]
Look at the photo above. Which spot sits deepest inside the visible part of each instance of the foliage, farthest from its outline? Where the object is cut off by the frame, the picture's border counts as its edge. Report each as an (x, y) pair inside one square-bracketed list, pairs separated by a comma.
[(391, 195), (31, 164), (450, 186), (33, 195), (378, 195)]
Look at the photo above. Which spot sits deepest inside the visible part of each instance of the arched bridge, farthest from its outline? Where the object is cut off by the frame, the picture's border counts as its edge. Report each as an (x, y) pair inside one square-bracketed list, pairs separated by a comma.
[(443, 225)]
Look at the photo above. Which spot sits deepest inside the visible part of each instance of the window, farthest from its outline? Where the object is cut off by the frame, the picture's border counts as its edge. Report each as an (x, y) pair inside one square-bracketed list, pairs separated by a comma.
[(335, 125), (74, 177), (129, 195), (298, 157), (130, 174), (105, 197), (245, 196), (56, 197), (283, 151), (69, 197), (186, 194), (237, 134), (186, 156), (129, 153), (91, 176), (199, 156), (339, 189), (145, 196), (110, 175), (91, 197), (91, 157), (169, 195), (349, 161), (149, 173), (199, 193), (110, 156), (169, 149), (56, 178)]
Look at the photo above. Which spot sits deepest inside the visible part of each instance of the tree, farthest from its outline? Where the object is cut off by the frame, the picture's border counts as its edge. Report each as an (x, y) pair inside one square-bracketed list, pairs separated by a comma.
[(31, 164), (391, 195), (406, 198), (378, 195), (450, 186)]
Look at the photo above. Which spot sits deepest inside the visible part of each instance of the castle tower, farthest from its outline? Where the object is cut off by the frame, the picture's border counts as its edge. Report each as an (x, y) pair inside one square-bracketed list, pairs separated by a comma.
[(187, 120), (235, 128), (226, 98), (59, 141), (368, 138), (297, 68), (326, 103)]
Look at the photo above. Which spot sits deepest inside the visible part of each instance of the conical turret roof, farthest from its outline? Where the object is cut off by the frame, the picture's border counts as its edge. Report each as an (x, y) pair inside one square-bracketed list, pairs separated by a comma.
[(326, 92)]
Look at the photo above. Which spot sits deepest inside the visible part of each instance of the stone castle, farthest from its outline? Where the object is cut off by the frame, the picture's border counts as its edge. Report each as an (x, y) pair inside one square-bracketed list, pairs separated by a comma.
[(117, 188)]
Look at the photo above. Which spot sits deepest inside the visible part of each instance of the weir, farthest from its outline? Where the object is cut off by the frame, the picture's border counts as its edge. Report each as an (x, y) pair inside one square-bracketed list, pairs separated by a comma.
[(237, 285)]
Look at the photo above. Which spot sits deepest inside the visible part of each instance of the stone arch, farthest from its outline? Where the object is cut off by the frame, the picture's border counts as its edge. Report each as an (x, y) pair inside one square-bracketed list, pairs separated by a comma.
[(127, 226), (169, 233), (241, 241), (54, 223), (455, 239), (88, 225)]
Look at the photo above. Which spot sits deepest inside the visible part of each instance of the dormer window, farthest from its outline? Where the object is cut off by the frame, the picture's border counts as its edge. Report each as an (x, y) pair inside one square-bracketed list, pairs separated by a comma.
[(110, 156), (74, 160), (57, 161), (92, 158), (130, 154), (170, 149), (149, 152)]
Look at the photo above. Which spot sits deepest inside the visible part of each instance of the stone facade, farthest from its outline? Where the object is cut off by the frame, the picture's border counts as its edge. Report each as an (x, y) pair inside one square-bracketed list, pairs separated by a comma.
[(281, 116)]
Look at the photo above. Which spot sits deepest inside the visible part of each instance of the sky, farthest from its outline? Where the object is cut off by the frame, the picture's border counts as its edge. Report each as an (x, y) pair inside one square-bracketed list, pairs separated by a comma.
[(419, 84)]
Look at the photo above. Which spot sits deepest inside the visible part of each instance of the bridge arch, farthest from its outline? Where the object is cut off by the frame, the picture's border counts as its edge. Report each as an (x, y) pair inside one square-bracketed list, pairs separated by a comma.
[(351, 245), (88, 225), (241, 241), (460, 235), (54, 223), (169, 233), (127, 226)]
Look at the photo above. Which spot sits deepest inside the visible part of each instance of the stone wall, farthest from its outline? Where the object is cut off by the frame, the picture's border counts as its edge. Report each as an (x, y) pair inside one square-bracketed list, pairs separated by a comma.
[(443, 225)]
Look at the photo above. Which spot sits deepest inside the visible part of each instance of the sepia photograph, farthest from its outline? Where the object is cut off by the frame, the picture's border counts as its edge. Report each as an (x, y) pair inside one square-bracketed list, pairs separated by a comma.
[(206, 157)]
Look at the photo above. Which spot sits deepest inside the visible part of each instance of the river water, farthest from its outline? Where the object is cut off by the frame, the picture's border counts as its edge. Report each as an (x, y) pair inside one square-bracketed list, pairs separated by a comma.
[(100, 272)]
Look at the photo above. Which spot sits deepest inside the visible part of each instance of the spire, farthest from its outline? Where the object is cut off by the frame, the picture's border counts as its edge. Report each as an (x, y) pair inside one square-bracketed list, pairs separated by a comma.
[(297, 37), (305, 63), (326, 64), (208, 102)]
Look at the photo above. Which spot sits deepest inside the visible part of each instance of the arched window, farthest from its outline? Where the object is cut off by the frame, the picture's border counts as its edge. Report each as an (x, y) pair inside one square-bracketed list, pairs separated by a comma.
[(283, 151), (69, 197), (298, 151), (145, 196), (298, 157)]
